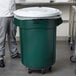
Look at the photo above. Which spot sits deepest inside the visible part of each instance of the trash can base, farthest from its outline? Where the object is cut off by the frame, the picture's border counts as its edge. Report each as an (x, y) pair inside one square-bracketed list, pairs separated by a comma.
[(43, 71)]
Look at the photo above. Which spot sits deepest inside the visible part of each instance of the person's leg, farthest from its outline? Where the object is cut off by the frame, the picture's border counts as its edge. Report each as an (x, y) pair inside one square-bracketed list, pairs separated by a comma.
[(3, 28), (12, 39)]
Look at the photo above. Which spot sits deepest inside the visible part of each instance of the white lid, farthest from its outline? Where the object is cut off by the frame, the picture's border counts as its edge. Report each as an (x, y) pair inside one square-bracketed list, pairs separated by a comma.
[(37, 12)]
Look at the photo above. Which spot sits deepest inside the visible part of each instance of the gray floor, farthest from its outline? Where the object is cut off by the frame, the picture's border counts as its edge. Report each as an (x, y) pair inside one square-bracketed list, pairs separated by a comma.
[(62, 67)]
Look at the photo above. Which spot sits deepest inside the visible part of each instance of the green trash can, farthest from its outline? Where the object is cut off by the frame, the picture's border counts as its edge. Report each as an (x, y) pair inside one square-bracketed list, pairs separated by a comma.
[(38, 36)]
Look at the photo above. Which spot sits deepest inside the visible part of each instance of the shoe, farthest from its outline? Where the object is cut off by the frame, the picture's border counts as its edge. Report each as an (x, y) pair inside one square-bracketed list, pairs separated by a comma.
[(17, 55), (2, 63)]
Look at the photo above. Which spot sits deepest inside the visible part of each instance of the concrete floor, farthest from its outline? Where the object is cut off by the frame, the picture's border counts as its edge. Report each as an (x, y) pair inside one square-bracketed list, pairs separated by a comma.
[(62, 67)]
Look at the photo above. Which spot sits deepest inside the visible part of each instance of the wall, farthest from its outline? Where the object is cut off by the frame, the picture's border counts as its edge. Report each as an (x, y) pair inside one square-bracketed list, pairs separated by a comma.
[(63, 29)]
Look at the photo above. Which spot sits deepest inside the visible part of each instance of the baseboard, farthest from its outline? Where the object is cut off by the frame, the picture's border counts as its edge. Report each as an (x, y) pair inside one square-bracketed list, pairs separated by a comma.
[(59, 38), (62, 38), (18, 38)]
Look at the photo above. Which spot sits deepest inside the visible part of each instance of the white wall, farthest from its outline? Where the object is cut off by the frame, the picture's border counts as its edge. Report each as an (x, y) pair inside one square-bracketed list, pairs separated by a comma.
[(63, 29)]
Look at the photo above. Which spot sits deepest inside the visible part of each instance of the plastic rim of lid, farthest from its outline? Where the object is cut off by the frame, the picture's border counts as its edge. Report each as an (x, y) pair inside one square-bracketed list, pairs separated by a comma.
[(37, 12)]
